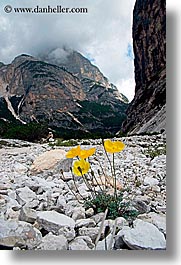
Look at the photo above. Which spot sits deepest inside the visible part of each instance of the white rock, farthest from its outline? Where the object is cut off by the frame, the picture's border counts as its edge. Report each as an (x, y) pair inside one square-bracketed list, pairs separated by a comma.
[(11, 214), (161, 208), (89, 212), (78, 213), (67, 176), (12, 194), (12, 203), (85, 223), (68, 232), (92, 232), (52, 221), (78, 244), (27, 214), (3, 205), (19, 168), (53, 242), (156, 189), (97, 217), (150, 181), (159, 220), (26, 196), (48, 160), (61, 203), (105, 243), (83, 190), (144, 235), (19, 233), (71, 206), (36, 182), (88, 241), (121, 222)]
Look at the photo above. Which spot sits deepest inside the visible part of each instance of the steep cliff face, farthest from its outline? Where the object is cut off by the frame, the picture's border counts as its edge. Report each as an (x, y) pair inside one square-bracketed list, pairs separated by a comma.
[(76, 63), (71, 103), (149, 43)]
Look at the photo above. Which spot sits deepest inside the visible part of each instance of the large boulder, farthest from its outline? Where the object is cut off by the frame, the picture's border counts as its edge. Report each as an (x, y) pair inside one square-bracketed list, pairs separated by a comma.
[(51, 159)]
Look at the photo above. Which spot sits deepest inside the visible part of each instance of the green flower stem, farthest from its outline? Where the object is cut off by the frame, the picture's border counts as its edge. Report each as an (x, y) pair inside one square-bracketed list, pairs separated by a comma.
[(96, 178), (108, 158), (71, 189), (114, 176), (88, 185), (98, 183), (73, 177), (93, 187), (103, 184)]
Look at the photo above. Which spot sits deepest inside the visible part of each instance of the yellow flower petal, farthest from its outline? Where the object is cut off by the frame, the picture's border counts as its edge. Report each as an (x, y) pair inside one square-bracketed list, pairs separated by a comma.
[(113, 147), (73, 152), (80, 167), (86, 153)]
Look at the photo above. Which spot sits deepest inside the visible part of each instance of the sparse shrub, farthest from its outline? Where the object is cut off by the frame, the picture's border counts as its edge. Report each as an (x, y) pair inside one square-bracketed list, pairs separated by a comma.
[(116, 207), (62, 142), (156, 151)]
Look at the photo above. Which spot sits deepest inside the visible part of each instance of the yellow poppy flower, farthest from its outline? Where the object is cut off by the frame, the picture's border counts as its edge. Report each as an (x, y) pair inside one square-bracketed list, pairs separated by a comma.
[(113, 147), (73, 152), (80, 167), (86, 153)]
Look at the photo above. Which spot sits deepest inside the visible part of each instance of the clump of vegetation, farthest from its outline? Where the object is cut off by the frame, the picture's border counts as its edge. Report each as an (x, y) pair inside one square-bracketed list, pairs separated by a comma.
[(116, 207), (100, 199), (156, 151), (62, 142)]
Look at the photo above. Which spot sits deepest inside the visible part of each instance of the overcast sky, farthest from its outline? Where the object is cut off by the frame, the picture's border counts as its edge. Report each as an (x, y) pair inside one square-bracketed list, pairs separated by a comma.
[(104, 35)]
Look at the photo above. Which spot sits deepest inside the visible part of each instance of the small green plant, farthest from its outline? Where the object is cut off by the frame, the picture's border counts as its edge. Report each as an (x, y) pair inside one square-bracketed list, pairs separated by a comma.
[(62, 142), (156, 151), (116, 207)]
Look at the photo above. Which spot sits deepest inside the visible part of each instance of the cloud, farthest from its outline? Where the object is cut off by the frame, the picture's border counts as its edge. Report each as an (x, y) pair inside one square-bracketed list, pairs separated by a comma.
[(104, 34), (126, 87)]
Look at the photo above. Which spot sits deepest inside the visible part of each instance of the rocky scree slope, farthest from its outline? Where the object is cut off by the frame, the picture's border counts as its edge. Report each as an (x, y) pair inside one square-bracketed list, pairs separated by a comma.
[(39, 211), (75, 97), (147, 111)]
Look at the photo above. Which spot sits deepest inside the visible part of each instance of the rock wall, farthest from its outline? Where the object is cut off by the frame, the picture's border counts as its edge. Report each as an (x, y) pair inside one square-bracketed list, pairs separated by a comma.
[(149, 43)]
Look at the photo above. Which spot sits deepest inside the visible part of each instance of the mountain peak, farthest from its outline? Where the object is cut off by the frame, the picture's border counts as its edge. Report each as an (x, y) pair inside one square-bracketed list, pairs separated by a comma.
[(76, 63), (22, 58), (62, 89)]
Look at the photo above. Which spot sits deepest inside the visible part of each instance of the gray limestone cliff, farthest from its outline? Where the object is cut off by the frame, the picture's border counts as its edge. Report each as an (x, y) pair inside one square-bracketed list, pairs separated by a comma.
[(147, 111)]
